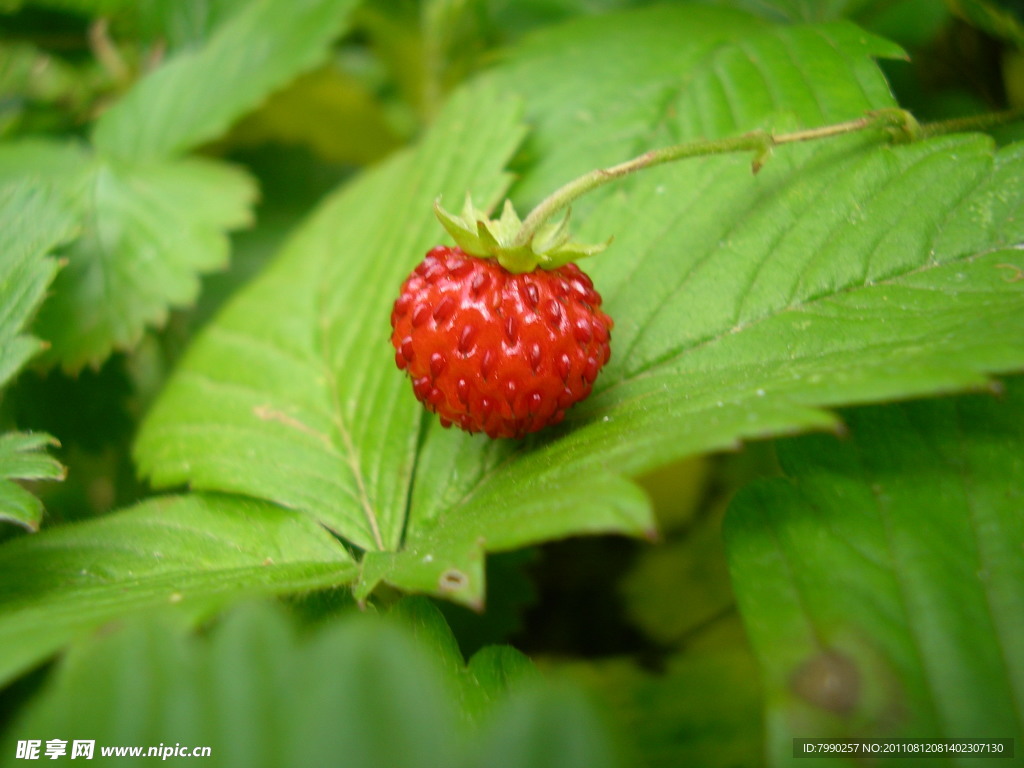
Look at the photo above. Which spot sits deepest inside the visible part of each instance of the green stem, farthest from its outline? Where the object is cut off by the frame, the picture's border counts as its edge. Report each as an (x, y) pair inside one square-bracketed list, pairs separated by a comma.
[(972, 123), (899, 123), (107, 53)]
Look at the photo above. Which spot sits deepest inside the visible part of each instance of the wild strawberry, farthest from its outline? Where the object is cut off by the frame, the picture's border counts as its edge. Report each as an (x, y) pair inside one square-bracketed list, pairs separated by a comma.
[(493, 350)]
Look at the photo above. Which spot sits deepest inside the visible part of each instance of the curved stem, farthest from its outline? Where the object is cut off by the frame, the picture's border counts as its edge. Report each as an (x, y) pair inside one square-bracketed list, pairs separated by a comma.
[(899, 123), (972, 123)]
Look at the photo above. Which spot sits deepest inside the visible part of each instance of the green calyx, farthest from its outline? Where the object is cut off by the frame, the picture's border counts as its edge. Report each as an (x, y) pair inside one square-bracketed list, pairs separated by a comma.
[(503, 239)]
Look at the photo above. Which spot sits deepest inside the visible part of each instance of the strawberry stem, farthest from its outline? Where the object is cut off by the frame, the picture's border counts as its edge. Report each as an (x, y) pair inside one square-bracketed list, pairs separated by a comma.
[(898, 123)]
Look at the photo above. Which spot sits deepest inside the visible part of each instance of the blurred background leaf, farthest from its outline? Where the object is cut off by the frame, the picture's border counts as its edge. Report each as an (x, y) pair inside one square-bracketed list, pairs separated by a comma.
[(33, 222), (195, 95), (24, 457), (151, 225), (362, 690), (37, 87), (145, 234), (882, 580)]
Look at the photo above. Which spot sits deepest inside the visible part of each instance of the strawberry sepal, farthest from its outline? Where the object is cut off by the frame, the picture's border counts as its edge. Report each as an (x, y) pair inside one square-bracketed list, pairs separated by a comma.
[(476, 234)]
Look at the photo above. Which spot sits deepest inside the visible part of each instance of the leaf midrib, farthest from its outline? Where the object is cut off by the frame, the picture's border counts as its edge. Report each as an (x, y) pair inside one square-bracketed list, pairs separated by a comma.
[(901, 593), (648, 369), (349, 453)]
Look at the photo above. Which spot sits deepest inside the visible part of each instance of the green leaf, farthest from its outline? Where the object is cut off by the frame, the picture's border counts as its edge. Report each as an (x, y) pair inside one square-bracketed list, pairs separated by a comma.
[(713, 311), (274, 699), (491, 672), (547, 727), (785, 297), (197, 94), (147, 230), (24, 457), (33, 221), (368, 692), (846, 271), (189, 553), (882, 581)]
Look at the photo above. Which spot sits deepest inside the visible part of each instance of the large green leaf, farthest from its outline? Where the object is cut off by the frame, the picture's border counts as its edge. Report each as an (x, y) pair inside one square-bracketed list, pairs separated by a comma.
[(188, 552), (147, 230), (882, 581), (360, 692), (845, 271), (196, 95)]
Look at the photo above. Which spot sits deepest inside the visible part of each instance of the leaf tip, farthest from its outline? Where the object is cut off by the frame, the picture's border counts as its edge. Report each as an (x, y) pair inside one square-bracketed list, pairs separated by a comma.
[(457, 585)]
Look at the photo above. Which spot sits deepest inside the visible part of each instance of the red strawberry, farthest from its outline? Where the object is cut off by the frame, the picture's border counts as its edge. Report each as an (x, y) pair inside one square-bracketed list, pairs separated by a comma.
[(495, 351)]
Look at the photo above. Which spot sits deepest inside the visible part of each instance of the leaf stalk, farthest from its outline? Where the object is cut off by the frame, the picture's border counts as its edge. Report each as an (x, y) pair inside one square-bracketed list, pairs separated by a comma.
[(899, 124)]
